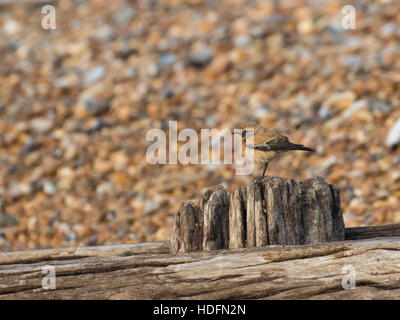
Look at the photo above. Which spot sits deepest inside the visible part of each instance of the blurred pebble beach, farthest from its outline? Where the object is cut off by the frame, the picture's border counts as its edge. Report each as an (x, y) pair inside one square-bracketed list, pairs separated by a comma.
[(76, 103)]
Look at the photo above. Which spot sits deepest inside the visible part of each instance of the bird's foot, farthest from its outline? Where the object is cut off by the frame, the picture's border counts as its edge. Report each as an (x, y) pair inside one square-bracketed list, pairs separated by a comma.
[(260, 178)]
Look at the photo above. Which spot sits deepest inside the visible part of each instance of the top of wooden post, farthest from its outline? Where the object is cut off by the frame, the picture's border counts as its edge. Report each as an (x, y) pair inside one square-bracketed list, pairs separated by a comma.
[(269, 211)]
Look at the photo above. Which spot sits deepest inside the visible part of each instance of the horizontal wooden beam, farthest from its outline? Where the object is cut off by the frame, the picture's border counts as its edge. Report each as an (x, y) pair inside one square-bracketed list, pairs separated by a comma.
[(148, 271), (390, 230)]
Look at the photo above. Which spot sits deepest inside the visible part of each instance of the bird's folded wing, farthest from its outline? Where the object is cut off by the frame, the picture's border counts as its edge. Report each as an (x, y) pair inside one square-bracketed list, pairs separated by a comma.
[(274, 144)]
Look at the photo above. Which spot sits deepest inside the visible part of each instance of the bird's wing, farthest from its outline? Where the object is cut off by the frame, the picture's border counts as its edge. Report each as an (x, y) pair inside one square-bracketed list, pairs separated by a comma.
[(270, 143)]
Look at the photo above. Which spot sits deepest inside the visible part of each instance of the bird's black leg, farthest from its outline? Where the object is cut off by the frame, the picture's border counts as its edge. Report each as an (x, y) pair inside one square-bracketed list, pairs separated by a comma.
[(265, 168)]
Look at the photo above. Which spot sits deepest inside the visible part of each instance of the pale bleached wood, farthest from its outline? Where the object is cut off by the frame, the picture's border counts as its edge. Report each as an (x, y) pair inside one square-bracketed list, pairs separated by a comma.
[(321, 212), (253, 210), (23, 257), (269, 211), (273, 272), (216, 221), (237, 218), (187, 234)]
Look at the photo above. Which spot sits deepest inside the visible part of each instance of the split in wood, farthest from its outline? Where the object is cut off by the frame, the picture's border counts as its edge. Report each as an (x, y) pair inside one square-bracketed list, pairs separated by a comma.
[(269, 211)]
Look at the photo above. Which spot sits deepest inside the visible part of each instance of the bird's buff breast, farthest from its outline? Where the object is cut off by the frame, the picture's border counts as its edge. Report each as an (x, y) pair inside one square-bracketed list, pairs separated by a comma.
[(261, 157)]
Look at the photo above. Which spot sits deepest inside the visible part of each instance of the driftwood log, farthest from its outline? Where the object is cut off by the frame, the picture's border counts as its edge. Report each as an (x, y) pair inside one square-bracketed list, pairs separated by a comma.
[(270, 211), (284, 239), (149, 271)]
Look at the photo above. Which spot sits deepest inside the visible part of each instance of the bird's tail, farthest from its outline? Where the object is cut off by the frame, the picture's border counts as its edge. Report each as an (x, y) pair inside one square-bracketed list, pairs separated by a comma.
[(300, 147)]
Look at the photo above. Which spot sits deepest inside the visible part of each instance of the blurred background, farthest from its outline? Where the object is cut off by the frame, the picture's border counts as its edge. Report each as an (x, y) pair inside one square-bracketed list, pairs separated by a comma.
[(76, 103)]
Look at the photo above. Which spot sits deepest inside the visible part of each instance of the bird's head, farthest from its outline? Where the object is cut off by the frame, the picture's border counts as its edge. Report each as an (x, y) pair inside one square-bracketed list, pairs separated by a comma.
[(245, 129)]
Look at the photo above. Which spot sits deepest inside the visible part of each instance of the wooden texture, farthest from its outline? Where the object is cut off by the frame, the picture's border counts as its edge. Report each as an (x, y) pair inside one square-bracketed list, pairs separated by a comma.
[(148, 271), (269, 211), (390, 230), (216, 221)]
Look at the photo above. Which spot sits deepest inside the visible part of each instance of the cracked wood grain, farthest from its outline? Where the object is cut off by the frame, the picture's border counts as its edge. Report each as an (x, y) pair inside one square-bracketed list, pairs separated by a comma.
[(148, 271), (269, 211)]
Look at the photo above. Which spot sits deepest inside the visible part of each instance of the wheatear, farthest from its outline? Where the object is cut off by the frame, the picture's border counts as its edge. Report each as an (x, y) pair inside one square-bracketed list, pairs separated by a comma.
[(268, 144)]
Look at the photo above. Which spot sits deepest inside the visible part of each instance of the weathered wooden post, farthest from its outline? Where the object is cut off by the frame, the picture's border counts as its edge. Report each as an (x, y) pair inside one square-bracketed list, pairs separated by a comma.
[(269, 211)]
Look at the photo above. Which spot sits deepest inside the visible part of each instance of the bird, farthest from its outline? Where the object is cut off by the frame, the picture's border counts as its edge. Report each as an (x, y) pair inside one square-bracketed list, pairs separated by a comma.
[(268, 144)]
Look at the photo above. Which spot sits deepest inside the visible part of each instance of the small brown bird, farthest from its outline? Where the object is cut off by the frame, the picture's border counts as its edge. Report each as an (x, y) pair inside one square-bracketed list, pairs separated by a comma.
[(268, 144)]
